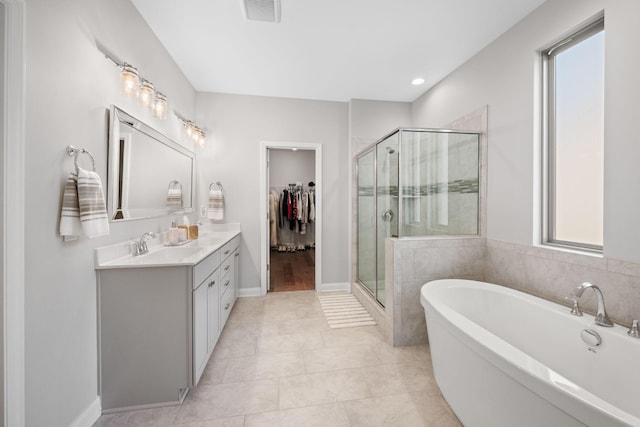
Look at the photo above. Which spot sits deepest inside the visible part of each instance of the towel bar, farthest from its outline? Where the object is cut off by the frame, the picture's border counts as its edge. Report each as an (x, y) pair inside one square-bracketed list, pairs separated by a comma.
[(73, 151), (216, 183), (175, 185)]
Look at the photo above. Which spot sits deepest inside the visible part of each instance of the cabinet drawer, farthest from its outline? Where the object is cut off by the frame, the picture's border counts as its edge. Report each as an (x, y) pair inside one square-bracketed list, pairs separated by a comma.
[(230, 246), (227, 266), (226, 283), (205, 267), (226, 304)]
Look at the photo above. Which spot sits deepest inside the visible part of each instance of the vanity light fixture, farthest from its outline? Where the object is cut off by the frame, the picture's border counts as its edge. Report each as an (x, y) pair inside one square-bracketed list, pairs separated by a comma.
[(160, 106), (131, 84), (146, 93), (129, 79), (196, 133)]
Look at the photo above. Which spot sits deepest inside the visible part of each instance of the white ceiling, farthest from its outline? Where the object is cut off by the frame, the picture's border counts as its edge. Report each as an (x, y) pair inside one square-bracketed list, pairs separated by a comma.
[(330, 49)]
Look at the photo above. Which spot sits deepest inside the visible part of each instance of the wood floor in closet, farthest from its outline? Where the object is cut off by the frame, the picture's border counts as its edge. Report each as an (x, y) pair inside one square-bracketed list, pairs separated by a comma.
[(292, 271)]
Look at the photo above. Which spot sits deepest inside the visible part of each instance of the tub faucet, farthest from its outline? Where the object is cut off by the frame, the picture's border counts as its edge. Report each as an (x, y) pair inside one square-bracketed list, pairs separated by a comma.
[(141, 247), (601, 314)]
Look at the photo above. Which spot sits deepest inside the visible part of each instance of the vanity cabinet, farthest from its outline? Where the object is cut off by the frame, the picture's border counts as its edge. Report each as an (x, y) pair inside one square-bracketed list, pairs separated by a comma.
[(205, 322), (229, 272), (213, 299), (159, 325)]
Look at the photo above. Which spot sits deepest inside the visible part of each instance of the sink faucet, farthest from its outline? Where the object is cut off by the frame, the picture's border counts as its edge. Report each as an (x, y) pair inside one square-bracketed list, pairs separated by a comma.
[(601, 314), (141, 246)]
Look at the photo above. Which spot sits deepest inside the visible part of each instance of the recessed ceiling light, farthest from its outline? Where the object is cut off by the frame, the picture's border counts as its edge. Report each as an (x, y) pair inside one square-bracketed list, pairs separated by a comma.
[(417, 82)]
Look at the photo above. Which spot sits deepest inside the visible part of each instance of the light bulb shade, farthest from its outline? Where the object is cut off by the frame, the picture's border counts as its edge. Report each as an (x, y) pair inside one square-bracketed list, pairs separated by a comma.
[(160, 106), (190, 129), (129, 80), (146, 93), (201, 138)]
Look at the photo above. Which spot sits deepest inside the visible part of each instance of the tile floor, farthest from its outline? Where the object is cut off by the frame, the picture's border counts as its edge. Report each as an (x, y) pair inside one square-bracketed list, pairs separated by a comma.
[(277, 363)]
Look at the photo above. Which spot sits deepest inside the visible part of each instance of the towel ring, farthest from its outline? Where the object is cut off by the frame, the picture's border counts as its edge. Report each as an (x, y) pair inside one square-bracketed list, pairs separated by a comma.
[(175, 184), (73, 151), (216, 183)]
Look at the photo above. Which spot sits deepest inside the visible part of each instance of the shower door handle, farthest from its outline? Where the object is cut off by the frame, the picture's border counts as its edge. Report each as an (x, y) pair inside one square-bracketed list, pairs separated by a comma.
[(387, 215)]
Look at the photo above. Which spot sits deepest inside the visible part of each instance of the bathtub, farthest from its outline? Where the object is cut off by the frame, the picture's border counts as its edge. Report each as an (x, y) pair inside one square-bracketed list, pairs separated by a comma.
[(506, 358)]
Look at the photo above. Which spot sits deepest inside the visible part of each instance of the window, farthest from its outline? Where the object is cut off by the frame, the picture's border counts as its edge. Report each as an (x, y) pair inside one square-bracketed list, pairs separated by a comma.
[(574, 130)]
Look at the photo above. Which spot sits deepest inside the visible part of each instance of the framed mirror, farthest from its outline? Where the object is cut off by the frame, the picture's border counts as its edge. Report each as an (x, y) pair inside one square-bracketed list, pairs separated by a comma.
[(149, 174)]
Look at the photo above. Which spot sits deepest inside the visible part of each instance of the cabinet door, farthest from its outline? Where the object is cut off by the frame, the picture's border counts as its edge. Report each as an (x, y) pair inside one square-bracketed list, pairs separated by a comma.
[(213, 296), (236, 273), (200, 342)]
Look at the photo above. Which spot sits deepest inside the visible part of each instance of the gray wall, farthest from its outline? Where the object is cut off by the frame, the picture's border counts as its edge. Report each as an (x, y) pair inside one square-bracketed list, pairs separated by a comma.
[(69, 86), (2, 144), (288, 166), (506, 77), (371, 120), (237, 124)]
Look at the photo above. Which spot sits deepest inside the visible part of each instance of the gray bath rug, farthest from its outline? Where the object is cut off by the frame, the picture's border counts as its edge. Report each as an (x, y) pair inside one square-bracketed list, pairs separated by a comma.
[(343, 310)]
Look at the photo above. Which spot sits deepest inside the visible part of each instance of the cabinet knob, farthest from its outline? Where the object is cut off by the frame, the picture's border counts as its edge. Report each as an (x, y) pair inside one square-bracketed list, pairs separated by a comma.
[(227, 267), (226, 307), (237, 253), (227, 283), (226, 252), (211, 283)]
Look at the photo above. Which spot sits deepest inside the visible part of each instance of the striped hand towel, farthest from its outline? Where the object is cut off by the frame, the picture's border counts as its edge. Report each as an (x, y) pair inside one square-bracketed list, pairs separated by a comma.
[(93, 212), (174, 198), (216, 205), (70, 227)]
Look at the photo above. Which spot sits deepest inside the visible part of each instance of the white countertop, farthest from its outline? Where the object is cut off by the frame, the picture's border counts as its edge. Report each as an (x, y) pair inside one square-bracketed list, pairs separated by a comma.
[(211, 238)]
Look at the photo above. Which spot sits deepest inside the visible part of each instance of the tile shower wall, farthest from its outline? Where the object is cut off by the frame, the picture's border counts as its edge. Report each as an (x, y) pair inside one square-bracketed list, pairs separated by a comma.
[(548, 273), (413, 262)]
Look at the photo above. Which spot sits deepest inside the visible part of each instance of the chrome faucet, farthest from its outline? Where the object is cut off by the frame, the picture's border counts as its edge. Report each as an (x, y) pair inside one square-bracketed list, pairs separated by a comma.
[(141, 247), (601, 314)]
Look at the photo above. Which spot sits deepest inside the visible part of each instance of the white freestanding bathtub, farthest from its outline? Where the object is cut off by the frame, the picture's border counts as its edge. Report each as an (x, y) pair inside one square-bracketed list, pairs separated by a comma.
[(503, 358)]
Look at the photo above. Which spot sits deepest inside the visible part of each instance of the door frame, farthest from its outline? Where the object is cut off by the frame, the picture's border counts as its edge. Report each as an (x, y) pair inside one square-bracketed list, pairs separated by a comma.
[(13, 222), (264, 207)]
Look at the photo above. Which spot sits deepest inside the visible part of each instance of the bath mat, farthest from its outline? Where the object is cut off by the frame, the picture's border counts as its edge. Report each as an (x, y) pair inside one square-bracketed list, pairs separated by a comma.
[(343, 310)]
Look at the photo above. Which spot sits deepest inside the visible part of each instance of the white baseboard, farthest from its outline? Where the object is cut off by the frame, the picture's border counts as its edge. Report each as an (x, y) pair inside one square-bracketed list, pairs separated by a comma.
[(325, 287), (90, 415), (334, 287), (249, 292)]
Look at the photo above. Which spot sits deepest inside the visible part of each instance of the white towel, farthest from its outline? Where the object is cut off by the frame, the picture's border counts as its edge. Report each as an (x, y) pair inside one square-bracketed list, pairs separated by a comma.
[(174, 198), (70, 227), (93, 211), (216, 205)]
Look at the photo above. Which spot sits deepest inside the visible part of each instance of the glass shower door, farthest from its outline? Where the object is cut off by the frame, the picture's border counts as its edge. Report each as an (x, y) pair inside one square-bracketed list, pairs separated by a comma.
[(386, 205), (366, 221)]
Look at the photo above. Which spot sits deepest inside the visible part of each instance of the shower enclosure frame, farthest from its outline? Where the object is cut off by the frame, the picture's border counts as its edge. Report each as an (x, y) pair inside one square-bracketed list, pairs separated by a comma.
[(372, 148)]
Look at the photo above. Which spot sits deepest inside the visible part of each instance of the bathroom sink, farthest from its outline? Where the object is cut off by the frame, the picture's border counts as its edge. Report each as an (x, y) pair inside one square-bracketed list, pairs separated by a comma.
[(169, 254), (190, 253), (165, 256)]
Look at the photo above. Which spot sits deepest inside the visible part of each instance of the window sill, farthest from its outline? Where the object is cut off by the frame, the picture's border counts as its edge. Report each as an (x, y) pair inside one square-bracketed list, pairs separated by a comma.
[(594, 253)]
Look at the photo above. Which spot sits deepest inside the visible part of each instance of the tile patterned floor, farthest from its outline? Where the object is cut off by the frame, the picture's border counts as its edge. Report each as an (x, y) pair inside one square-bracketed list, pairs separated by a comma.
[(278, 363)]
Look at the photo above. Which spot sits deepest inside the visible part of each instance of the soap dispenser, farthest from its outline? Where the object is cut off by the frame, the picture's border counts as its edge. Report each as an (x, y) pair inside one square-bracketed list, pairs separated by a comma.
[(174, 233)]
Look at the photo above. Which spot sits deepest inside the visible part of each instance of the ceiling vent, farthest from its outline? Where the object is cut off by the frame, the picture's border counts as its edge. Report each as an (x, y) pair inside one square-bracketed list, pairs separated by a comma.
[(261, 10)]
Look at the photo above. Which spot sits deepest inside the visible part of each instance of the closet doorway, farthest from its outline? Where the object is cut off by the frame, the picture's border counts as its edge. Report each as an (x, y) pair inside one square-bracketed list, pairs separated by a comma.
[(292, 230)]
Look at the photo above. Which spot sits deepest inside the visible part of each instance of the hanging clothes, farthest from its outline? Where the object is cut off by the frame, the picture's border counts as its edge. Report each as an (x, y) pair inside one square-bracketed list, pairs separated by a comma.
[(273, 214), (312, 206), (280, 216), (295, 211)]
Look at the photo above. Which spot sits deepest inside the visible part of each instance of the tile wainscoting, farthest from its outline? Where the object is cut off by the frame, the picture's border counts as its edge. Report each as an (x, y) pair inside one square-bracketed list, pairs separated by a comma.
[(553, 274), (548, 273)]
